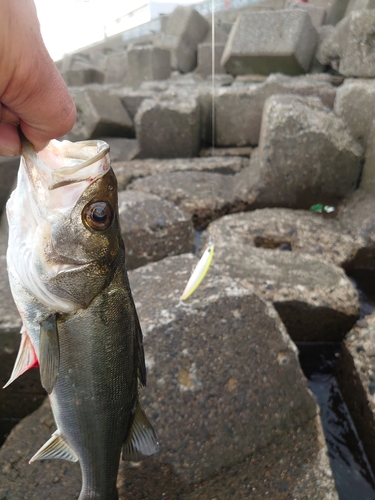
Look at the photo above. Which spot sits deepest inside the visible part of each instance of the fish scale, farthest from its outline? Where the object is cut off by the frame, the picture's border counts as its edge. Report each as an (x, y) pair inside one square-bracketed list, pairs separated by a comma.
[(79, 319)]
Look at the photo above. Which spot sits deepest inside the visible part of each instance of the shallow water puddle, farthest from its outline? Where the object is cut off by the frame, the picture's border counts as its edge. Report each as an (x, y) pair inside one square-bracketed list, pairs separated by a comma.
[(351, 470)]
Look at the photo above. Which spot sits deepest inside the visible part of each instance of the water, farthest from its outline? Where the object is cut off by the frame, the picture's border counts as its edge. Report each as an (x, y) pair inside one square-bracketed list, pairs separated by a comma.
[(351, 469)]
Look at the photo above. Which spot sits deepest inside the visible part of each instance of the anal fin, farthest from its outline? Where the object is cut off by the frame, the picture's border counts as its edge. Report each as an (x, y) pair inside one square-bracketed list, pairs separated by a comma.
[(55, 447), (26, 358), (49, 353), (142, 440)]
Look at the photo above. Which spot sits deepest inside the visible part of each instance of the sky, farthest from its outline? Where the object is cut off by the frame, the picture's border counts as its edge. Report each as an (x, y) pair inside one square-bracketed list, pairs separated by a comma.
[(68, 25)]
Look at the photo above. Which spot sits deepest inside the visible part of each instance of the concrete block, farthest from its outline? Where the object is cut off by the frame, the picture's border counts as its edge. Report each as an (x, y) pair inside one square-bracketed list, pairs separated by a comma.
[(147, 63), (306, 156), (184, 29), (116, 68), (317, 14), (368, 173), (238, 109), (349, 47), (269, 42), (335, 9), (99, 113), (355, 103), (152, 228), (83, 76), (204, 66), (359, 5), (168, 129)]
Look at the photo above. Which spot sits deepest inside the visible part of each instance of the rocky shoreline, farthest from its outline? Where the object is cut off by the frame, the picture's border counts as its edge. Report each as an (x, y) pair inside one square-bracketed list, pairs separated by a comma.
[(292, 126)]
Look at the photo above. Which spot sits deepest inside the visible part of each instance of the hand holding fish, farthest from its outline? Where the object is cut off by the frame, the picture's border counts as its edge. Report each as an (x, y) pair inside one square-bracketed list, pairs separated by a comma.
[(33, 94)]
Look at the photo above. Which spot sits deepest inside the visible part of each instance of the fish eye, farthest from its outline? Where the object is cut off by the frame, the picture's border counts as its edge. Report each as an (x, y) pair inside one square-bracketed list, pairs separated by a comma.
[(98, 215)]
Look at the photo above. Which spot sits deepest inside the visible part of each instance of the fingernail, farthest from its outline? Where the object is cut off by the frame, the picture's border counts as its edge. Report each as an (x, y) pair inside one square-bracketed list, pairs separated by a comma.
[(4, 151)]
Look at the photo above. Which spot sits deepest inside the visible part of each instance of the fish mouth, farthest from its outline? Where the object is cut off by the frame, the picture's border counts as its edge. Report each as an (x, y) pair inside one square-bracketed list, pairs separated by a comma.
[(64, 163)]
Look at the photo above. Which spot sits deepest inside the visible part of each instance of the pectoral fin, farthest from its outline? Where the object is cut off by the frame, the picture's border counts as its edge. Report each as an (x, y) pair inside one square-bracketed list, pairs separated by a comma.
[(142, 440), (49, 355), (55, 447), (26, 358)]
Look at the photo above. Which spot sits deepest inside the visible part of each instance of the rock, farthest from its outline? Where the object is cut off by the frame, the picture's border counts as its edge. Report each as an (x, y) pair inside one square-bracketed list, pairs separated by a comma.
[(152, 228), (205, 196), (131, 170), (317, 14), (121, 149), (99, 113), (359, 5), (315, 299), (183, 30), (259, 43), (147, 62), (132, 99), (8, 175), (228, 423), (204, 66), (300, 232), (83, 76), (368, 173), (238, 109), (305, 156), (10, 320), (168, 129), (355, 103), (356, 375), (116, 67), (348, 48), (357, 217)]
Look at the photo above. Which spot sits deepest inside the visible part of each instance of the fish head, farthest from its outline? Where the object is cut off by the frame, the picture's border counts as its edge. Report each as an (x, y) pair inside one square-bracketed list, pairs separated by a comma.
[(64, 236)]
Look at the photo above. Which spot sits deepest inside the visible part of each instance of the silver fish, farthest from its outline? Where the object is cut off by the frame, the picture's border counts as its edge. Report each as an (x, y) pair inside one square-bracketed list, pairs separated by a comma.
[(67, 274)]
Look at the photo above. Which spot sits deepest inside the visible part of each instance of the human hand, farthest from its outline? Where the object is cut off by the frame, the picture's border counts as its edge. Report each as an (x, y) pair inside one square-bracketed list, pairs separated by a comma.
[(33, 94)]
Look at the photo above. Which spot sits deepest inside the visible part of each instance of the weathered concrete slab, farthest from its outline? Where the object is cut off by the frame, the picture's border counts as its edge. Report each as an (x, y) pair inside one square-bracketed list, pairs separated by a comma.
[(116, 67), (357, 216), (204, 65), (260, 43), (206, 363), (315, 299), (368, 172), (204, 195), (168, 129), (132, 99), (317, 14), (238, 109), (355, 103), (147, 62), (99, 113), (348, 48), (152, 228), (359, 5), (305, 156), (183, 30), (128, 171), (121, 149), (355, 372), (335, 9), (300, 232)]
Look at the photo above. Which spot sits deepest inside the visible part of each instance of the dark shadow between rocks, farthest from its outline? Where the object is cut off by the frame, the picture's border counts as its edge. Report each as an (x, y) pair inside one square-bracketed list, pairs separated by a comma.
[(306, 323)]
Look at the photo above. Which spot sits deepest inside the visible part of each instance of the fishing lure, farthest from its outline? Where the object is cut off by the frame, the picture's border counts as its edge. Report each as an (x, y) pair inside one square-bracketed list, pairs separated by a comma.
[(199, 272)]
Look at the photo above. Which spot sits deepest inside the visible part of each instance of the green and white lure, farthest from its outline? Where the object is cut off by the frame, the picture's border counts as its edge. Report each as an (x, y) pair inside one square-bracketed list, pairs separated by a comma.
[(199, 272), (322, 209)]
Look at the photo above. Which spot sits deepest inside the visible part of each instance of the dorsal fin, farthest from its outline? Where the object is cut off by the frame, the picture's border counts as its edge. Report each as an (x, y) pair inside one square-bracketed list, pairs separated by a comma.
[(49, 353), (55, 447), (26, 358), (142, 440)]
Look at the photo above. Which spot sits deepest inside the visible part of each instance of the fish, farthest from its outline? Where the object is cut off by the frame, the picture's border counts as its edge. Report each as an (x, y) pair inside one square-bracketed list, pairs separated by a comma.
[(199, 272), (66, 267)]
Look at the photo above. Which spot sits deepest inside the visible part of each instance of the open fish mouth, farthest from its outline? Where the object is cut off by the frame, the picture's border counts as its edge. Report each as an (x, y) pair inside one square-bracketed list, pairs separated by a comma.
[(64, 163)]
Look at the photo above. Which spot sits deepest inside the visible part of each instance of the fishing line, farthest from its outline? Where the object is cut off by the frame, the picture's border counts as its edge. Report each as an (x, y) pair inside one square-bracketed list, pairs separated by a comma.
[(213, 75)]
